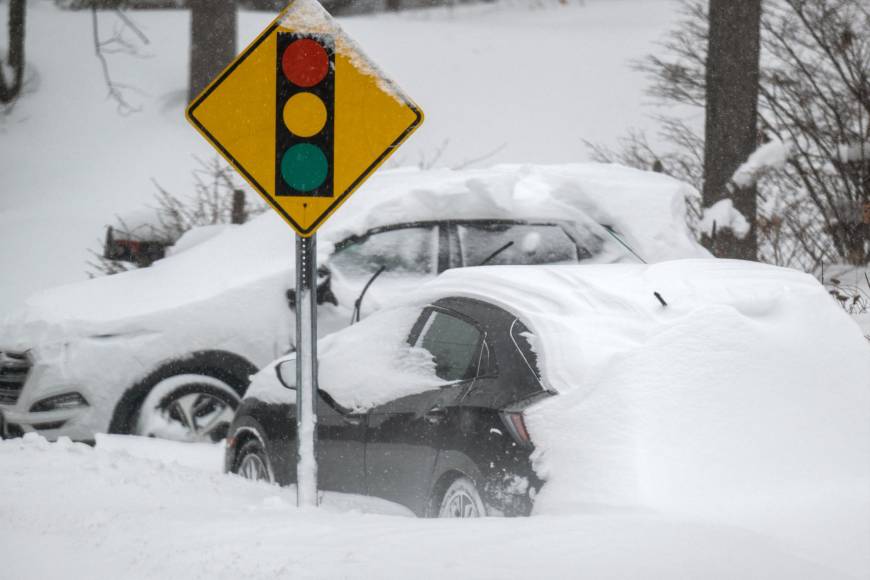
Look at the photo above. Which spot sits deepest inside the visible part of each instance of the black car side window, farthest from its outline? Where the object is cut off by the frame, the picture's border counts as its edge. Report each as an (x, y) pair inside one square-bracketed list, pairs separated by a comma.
[(454, 344)]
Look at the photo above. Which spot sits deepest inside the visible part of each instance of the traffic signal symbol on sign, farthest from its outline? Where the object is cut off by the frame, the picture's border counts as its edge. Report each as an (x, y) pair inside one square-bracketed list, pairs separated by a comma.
[(304, 131), (304, 116)]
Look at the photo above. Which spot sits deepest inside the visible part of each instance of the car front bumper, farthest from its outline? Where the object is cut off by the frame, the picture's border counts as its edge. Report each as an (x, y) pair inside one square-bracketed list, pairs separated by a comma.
[(72, 423)]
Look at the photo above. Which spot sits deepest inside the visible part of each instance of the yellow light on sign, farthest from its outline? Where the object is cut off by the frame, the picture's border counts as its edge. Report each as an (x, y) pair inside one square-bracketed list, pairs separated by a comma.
[(304, 114)]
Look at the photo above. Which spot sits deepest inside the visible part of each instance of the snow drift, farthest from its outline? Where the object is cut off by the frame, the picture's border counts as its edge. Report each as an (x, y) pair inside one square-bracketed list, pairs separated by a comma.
[(144, 508)]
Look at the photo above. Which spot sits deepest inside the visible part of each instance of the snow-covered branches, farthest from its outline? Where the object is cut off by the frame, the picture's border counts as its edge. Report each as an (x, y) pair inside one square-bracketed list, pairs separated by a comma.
[(813, 174)]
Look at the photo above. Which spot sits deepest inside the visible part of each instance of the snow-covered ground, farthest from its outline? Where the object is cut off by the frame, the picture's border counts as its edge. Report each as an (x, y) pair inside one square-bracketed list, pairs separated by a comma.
[(127, 514), (507, 82)]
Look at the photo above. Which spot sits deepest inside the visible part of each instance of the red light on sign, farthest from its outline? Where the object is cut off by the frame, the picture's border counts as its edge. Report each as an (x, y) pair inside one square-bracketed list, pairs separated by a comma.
[(305, 62)]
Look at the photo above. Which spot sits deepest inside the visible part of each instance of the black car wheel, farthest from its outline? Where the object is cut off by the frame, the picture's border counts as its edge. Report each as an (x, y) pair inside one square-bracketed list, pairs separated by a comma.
[(252, 462), (461, 500)]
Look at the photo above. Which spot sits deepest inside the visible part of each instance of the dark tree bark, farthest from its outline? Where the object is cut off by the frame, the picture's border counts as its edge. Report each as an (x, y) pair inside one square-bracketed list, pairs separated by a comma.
[(212, 41), (731, 133), (11, 88)]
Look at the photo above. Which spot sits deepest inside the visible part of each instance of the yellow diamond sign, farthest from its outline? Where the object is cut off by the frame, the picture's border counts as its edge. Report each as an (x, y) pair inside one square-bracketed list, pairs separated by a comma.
[(304, 115)]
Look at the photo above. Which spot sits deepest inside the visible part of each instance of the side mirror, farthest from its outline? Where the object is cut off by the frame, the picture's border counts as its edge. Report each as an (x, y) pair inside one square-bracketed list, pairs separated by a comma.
[(286, 371), (324, 292)]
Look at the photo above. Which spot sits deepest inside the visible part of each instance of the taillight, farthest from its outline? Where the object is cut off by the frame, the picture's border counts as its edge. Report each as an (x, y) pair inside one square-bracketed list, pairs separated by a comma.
[(517, 426)]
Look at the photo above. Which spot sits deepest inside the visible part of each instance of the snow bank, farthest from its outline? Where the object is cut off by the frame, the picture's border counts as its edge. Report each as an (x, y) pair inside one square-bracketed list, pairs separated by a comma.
[(748, 394), (72, 511)]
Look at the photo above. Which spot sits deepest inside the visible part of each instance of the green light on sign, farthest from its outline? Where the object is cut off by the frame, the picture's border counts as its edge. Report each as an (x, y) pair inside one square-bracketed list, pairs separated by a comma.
[(304, 167)]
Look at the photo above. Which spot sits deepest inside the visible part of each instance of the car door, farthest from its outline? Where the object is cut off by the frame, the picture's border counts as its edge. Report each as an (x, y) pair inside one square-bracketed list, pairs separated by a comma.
[(340, 448), (403, 436), (340, 439)]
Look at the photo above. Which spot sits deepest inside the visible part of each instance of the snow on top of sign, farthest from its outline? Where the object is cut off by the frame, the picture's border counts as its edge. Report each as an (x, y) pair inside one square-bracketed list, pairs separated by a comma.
[(310, 16)]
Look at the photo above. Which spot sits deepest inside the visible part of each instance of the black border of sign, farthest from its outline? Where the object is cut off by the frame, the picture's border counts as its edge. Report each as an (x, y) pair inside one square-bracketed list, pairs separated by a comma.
[(190, 114)]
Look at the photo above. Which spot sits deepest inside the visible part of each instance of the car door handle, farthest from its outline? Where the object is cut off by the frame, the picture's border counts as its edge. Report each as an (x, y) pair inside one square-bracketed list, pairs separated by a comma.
[(353, 419), (435, 415)]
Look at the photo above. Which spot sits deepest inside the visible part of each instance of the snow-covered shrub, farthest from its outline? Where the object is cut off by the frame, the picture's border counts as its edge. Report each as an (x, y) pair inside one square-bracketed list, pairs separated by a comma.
[(215, 185)]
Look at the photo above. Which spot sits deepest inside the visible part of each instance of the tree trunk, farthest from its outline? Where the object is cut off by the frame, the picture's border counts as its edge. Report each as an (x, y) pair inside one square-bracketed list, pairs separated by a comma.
[(212, 41), (731, 133), (9, 90)]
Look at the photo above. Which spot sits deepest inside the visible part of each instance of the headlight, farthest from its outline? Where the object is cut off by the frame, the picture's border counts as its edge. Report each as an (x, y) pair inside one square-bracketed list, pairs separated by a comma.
[(59, 402)]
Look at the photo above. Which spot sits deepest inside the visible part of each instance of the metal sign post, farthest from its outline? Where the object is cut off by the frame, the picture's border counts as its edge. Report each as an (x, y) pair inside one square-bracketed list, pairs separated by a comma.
[(306, 370)]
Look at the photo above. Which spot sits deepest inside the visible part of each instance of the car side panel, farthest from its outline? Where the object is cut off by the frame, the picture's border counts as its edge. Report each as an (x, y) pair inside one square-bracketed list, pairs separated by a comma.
[(402, 442), (340, 450)]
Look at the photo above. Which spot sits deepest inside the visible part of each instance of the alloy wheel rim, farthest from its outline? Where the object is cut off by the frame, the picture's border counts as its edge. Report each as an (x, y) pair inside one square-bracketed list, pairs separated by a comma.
[(462, 505), (201, 416), (252, 467)]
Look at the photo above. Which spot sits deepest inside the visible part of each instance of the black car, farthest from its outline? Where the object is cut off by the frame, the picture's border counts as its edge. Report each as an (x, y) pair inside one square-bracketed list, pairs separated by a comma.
[(459, 450)]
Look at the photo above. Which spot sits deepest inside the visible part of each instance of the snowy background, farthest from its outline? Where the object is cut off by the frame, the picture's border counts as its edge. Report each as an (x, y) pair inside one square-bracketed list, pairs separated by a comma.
[(504, 82)]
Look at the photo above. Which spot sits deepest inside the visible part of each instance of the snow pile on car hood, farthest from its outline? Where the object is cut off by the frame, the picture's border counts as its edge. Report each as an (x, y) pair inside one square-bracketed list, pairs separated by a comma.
[(751, 387)]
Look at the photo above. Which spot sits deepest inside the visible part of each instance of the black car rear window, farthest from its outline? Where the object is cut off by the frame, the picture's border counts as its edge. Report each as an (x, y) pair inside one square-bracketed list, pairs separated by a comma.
[(453, 343), (522, 338)]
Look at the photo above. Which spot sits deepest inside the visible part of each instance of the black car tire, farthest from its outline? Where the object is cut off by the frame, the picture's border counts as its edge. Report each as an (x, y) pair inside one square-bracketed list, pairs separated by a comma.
[(252, 462), (462, 500)]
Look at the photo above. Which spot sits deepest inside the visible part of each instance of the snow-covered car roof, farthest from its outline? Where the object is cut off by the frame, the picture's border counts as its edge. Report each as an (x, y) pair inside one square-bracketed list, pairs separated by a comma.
[(646, 208), (582, 317)]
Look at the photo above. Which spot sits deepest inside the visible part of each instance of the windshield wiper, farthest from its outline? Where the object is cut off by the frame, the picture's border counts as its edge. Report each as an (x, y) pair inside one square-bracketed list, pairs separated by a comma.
[(497, 252), (615, 236), (358, 303)]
